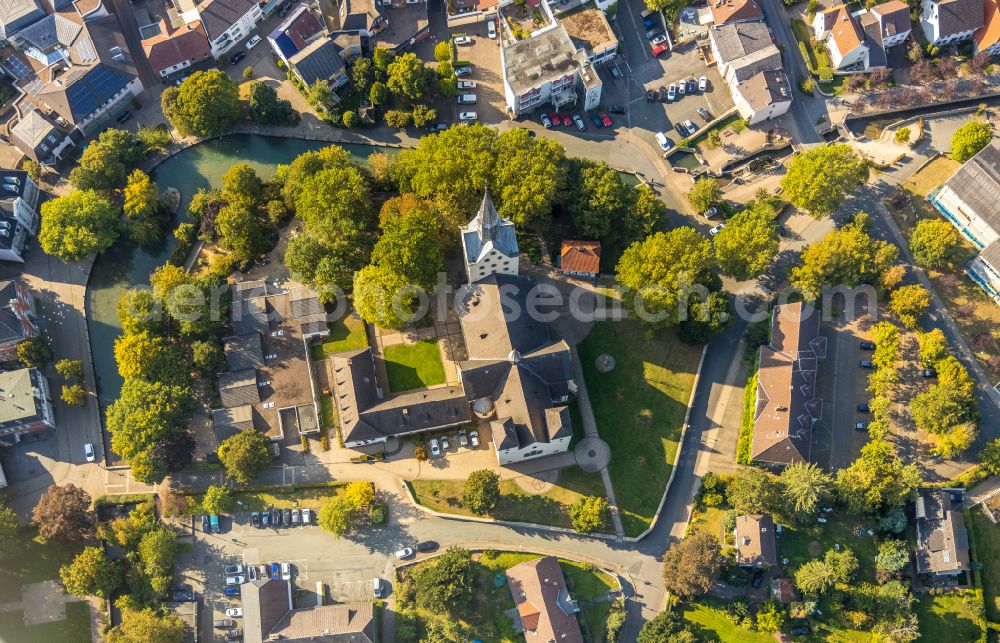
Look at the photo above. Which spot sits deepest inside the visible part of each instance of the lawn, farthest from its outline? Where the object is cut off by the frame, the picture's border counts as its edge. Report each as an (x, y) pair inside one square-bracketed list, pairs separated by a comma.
[(74, 628), (945, 617), (919, 186), (816, 58), (712, 624), (735, 121), (550, 508), (346, 334), (654, 373), (35, 561), (329, 413), (987, 553), (310, 497), (411, 366), (794, 543), (708, 520)]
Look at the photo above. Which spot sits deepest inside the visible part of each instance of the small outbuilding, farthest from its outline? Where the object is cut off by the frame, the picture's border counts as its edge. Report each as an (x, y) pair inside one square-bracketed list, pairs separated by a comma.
[(580, 259)]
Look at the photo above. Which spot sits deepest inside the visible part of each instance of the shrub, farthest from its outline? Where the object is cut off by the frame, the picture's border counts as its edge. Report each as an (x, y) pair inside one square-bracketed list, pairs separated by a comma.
[(903, 135), (351, 118)]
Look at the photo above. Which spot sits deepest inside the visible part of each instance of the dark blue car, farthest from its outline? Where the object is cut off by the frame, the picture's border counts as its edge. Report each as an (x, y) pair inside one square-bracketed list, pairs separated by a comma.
[(596, 120), (275, 571), (649, 23), (232, 591)]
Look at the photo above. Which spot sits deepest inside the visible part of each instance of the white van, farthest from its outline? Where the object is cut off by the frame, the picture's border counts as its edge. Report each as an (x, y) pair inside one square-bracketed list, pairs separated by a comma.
[(647, 13), (377, 587), (466, 99), (662, 139)]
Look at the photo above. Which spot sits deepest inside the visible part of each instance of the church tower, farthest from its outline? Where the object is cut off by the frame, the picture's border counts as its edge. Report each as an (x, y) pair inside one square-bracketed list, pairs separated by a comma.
[(490, 243)]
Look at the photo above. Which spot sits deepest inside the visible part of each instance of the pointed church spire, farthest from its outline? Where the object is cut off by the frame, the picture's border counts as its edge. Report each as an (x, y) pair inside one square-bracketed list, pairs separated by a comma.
[(487, 221)]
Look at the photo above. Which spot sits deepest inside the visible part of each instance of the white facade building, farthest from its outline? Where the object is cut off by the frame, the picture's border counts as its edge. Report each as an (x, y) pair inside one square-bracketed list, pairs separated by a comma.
[(490, 244)]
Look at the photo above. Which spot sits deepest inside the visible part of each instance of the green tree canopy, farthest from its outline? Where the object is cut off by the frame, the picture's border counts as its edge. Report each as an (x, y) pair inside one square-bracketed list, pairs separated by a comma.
[(909, 303), (969, 139), (264, 106), (152, 359), (747, 245), (933, 347), (207, 357), (877, 479), (35, 352), (411, 247), (74, 395), (78, 225), (706, 319), (819, 180), (935, 243), (382, 296), (589, 514), (705, 193), (446, 584), (206, 104), (847, 256), (146, 626), (407, 76), (359, 494), (813, 577), (245, 455), (804, 487), (337, 516), (753, 491), (893, 557), (8, 531), (217, 500), (481, 491), (91, 573), (144, 212), (107, 161)]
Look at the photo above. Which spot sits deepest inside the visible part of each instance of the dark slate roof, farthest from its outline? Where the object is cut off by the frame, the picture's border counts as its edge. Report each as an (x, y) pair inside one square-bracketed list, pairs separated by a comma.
[(320, 60), (15, 183), (493, 319), (239, 388), (11, 329), (977, 183), (304, 303), (358, 15), (873, 39), (219, 15), (249, 316), (265, 603), (228, 422), (956, 16), (243, 352), (942, 538), (488, 231), (737, 40)]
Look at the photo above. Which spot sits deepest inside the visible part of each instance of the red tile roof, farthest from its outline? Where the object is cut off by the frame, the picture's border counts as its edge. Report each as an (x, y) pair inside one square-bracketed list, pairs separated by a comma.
[(173, 46), (580, 256)]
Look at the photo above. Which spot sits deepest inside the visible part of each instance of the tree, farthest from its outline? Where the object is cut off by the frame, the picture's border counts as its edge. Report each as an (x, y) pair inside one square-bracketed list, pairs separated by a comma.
[(146, 626), (935, 243), (8, 532), (770, 616), (106, 161), (804, 487), (63, 513), (33, 169), (601, 200), (877, 479), (691, 566), (939, 409), (847, 256), (91, 573), (154, 139), (933, 347), (139, 310), (893, 557), (217, 499), (328, 268), (657, 273), (397, 118), (70, 369), (705, 193), (528, 174), (969, 139), (382, 297), (156, 551), (903, 135), (265, 107), (337, 516), (151, 358), (74, 395), (407, 76), (706, 319), (423, 116), (411, 248), (447, 584), (843, 564), (909, 303), (813, 577), (747, 246), (589, 514), (482, 491), (753, 491), (245, 455), (360, 494), (666, 626), (78, 225), (443, 51), (989, 457), (819, 180), (142, 199), (35, 352), (351, 119), (240, 231), (206, 104), (206, 356)]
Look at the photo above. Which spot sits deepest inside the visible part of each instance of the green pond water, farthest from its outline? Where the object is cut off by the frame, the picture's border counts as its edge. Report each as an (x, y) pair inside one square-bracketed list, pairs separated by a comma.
[(126, 265)]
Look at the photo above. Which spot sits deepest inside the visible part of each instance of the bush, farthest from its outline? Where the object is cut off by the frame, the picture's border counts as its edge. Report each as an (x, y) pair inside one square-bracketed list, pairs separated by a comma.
[(248, 73), (903, 135), (324, 439), (305, 443), (351, 118)]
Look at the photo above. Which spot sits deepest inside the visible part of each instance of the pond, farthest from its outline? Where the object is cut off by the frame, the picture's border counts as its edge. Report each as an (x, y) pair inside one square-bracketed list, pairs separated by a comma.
[(684, 159), (125, 265)]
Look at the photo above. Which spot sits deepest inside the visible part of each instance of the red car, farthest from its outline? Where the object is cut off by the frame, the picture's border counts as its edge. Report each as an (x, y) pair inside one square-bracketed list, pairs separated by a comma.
[(606, 120), (659, 49), (556, 118), (567, 121)]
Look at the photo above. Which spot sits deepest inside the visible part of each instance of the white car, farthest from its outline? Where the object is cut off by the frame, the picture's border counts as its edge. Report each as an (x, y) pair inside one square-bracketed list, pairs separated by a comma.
[(689, 126), (662, 139), (235, 580), (234, 612), (404, 553), (672, 91), (307, 516), (233, 570), (681, 87), (88, 452), (468, 117), (717, 229), (252, 573), (463, 40), (435, 448), (466, 84), (286, 571), (657, 40), (702, 84), (253, 42), (491, 28), (474, 439)]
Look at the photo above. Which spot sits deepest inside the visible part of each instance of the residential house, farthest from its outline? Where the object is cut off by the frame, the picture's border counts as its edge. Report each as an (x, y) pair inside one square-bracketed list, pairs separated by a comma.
[(580, 259), (844, 38), (301, 42), (743, 50), (946, 22), (18, 213), (755, 543), (25, 403), (545, 609), (968, 199), (17, 14), (171, 50), (942, 538), (269, 614), (489, 243), (786, 404), (591, 32), (405, 22), (299, 28), (363, 17), (894, 22), (987, 37), (17, 318), (38, 136), (725, 12), (547, 68), (226, 22), (764, 95)]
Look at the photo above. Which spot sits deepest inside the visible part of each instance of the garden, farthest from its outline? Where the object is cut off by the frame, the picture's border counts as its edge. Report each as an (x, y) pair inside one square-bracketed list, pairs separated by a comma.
[(416, 365), (346, 334)]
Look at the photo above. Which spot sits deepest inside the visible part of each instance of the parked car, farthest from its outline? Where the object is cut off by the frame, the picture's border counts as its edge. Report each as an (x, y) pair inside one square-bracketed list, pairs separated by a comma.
[(546, 121), (404, 553), (757, 578), (474, 439), (653, 33), (435, 448), (253, 42), (662, 95), (659, 39), (680, 130), (288, 517), (800, 630), (865, 363), (214, 520), (235, 580), (468, 117), (717, 229), (237, 57), (252, 573), (491, 29), (712, 212), (659, 50), (663, 141), (649, 22), (596, 120), (377, 590), (276, 517), (580, 125), (286, 571), (426, 546), (465, 84), (126, 116), (285, 8), (704, 114), (88, 452), (234, 612), (616, 109), (223, 623), (255, 519), (265, 519), (232, 591), (860, 426), (864, 408), (296, 517), (275, 571), (606, 120), (672, 91), (691, 86), (233, 570), (566, 120), (650, 95), (690, 127), (234, 634), (466, 99), (702, 83), (928, 373), (206, 524), (182, 597), (464, 70), (463, 40), (463, 439), (867, 346), (445, 445), (681, 87)]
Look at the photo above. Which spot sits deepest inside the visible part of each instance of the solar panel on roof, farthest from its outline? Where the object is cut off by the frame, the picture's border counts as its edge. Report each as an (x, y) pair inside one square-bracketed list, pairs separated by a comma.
[(17, 68)]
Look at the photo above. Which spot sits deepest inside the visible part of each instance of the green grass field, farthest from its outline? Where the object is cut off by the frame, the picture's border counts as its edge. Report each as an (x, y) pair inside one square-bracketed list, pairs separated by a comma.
[(654, 373), (987, 537), (411, 366), (280, 497), (794, 543), (550, 508), (945, 617), (34, 561), (346, 334), (75, 628), (712, 624)]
